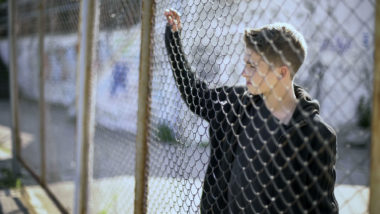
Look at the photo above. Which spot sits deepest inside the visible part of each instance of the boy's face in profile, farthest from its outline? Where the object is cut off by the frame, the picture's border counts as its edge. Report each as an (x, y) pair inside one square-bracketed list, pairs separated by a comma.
[(261, 77)]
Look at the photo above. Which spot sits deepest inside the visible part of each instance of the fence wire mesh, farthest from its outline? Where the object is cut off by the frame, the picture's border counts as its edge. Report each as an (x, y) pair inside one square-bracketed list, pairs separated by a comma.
[(4, 76), (5, 120), (223, 138), (219, 148), (116, 107), (60, 55), (26, 46)]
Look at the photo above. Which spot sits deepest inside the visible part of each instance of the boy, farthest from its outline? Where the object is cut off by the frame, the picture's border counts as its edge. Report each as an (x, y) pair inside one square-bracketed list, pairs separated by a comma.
[(270, 150)]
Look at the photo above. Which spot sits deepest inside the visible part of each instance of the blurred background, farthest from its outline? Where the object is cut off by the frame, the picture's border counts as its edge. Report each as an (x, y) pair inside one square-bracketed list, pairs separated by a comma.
[(338, 72)]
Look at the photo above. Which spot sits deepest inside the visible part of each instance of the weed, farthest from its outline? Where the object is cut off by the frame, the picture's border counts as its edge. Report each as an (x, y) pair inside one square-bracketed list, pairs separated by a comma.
[(9, 180)]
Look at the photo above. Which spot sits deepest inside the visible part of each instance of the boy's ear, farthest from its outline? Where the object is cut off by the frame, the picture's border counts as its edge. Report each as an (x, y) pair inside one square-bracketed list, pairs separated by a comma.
[(284, 71)]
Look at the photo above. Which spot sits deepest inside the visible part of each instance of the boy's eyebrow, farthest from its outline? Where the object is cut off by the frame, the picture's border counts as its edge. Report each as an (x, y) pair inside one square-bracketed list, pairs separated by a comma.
[(252, 63), (247, 59)]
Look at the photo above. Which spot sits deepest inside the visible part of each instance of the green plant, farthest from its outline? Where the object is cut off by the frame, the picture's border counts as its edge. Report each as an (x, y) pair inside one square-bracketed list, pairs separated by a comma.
[(204, 144), (110, 205), (165, 134), (103, 212), (364, 112), (9, 180)]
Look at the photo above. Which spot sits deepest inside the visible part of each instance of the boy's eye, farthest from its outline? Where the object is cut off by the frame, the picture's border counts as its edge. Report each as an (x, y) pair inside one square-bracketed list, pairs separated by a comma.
[(252, 66)]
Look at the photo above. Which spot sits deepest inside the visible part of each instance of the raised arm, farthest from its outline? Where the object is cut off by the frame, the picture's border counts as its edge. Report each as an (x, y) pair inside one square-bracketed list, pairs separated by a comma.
[(199, 98)]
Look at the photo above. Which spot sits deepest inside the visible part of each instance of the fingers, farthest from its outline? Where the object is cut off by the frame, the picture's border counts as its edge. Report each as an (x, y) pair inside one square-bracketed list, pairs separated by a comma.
[(172, 15), (169, 18), (173, 18), (175, 14), (172, 12)]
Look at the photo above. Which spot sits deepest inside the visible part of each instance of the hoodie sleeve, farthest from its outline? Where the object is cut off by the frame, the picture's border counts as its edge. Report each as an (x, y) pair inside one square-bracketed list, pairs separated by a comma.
[(321, 165), (199, 98)]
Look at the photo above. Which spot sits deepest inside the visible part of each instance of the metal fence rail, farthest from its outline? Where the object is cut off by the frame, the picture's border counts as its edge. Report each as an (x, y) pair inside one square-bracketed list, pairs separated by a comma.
[(161, 119), (374, 185)]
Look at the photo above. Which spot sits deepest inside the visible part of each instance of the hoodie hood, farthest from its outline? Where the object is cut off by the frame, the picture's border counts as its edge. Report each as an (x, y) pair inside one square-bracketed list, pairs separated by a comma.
[(307, 107)]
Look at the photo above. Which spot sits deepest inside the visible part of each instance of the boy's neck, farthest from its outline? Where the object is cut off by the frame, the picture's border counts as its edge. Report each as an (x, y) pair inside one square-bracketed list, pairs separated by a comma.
[(281, 104)]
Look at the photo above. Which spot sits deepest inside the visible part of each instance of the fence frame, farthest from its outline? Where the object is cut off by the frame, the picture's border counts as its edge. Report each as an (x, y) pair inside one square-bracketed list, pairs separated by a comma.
[(17, 160), (141, 180), (88, 28), (16, 148), (42, 103), (374, 187)]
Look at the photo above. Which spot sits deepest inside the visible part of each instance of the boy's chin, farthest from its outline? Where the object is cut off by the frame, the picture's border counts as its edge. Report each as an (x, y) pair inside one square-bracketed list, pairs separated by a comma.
[(253, 90)]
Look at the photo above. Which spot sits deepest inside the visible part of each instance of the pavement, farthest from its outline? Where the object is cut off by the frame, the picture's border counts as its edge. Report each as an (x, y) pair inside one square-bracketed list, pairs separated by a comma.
[(20, 195), (11, 200)]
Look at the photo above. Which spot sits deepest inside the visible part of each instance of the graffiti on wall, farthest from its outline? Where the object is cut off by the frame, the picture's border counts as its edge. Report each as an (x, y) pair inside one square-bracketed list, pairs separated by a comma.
[(342, 44), (119, 77)]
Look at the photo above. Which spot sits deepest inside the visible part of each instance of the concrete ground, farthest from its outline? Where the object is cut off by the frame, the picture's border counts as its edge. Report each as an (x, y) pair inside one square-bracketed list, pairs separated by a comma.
[(19, 195), (174, 172), (11, 201), (10, 196)]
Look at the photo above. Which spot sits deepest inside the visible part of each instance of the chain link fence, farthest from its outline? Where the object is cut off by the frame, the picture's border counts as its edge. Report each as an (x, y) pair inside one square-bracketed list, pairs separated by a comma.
[(337, 72), (28, 81), (4, 77), (118, 52), (222, 136), (60, 28)]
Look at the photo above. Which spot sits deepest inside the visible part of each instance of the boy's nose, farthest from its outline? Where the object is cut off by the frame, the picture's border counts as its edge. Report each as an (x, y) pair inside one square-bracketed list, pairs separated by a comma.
[(245, 73)]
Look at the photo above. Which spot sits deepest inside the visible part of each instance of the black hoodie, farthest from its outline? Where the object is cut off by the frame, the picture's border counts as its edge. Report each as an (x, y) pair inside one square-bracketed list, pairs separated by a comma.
[(257, 164)]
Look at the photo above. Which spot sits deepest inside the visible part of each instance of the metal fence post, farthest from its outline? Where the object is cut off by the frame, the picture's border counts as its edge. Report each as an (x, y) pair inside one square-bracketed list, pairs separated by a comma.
[(143, 107), (89, 22), (41, 32), (374, 205), (16, 151)]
